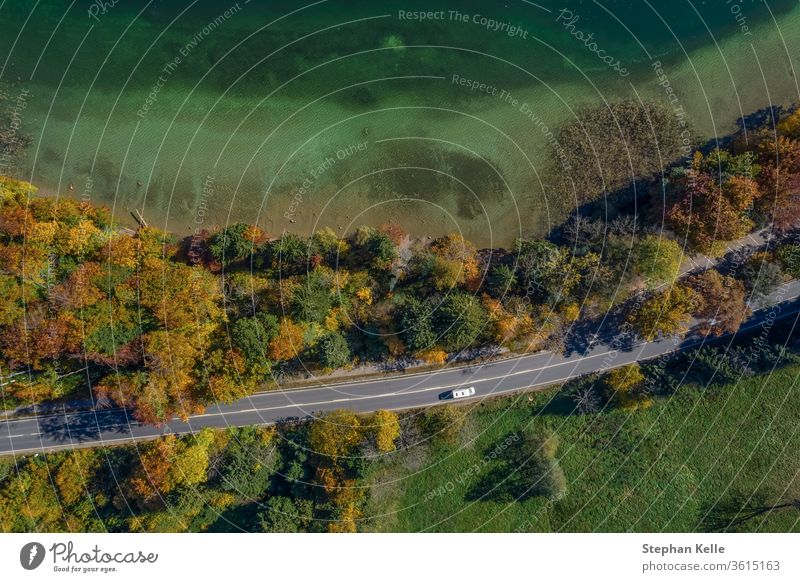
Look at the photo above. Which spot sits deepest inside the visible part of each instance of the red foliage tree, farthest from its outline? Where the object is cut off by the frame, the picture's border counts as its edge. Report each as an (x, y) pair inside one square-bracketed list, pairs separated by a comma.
[(780, 181)]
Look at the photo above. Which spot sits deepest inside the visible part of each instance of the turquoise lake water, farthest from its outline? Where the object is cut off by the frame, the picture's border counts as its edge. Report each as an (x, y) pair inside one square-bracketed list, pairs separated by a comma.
[(297, 115)]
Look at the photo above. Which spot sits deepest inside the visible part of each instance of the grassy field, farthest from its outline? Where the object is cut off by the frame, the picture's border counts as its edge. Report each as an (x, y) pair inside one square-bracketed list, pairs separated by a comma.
[(688, 463)]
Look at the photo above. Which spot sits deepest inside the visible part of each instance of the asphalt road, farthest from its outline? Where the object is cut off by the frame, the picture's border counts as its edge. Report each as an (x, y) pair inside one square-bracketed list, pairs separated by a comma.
[(107, 427)]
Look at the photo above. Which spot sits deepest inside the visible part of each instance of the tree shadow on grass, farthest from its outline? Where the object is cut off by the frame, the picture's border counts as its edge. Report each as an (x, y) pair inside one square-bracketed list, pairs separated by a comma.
[(518, 472), (560, 405), (584, 395), (741, 512)]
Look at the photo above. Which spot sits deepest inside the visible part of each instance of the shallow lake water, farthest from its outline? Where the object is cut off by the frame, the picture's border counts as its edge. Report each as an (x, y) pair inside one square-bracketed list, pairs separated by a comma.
[(298, 115)]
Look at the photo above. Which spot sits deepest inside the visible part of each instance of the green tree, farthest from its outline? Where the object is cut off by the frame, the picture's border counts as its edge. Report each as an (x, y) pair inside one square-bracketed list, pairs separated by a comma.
[(416, 323), (547, 272), (444, 422), (231, 244), (539, 267), (312, 301), (542, 471), (329, 246), (284, 515), (657, 259), (251, 335), (502, 280), (460, 321), (789, 257), (29, 502), (761, 276), (289, 255), (333, 350), (248, 463), (445, 273), (377, 248), (527, 468)]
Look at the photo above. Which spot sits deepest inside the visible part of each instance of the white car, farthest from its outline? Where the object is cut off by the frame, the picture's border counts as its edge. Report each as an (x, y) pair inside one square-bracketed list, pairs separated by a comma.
[(464, 392)]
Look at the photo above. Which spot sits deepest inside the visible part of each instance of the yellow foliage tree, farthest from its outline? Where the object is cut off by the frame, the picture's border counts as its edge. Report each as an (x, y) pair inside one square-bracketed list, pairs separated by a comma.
[(169, 463), (191, 463), (386, 429), (571, 312), (332, 320), (78, 240), (504, 324), (121, 251), (395, 345), (74, 475), (365, 295), (791, 125), (289, 342), (28, 501), (346, 522), (456, 264), (433, 355), (624, 382), (334, 434), (446, 273), (229, 377), (665, 313)]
